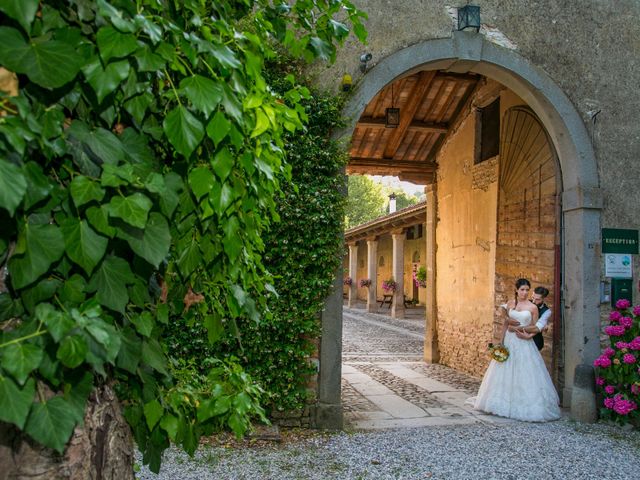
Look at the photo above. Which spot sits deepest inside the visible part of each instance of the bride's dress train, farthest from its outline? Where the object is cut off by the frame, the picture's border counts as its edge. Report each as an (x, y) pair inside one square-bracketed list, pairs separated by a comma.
[(520, 387)]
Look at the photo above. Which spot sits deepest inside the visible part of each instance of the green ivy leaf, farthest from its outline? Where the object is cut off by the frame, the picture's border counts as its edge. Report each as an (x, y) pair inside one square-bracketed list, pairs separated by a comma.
[(262, 123), (84, 190), (23, 11), (132, 209), (44, 244), (143, 323), (77, 392), (203, 93), (184, 131), (51, 423), (151, 243), (72, 351), (99, 218), (38, 185), (170, 199), (106, 336), (153, 412), (13, 186), (152, 355), (83, 246), (49, 63), (112, 43), (105, 80), (104, 146), (138, 106), (218, 127), (57, 323), (110, 280), (43, 290), (170, 425), (189, 259), (130, 351), (20, 359), (213, 324), (149, 61), (15, 402), (223, 163), (73, 289), (201, 181)]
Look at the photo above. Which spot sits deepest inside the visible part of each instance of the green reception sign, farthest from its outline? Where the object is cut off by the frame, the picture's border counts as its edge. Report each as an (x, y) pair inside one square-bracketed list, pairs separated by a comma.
[(617, 240)]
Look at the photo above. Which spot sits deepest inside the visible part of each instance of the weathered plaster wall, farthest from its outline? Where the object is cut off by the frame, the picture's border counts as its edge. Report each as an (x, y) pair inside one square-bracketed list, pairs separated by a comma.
[(465, 236), (589, 48)]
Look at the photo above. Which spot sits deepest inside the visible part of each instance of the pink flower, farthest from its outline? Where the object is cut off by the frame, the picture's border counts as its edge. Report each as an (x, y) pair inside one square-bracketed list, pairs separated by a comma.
[(635, 389), (615, 316), (628, 358), (622, 304), (623, 406), (609, 352), (599, 381), (614, 330), (635, 344), (609, 402), (602, 361), (626, 322), (609, 389), (621, 345), (636, 310)]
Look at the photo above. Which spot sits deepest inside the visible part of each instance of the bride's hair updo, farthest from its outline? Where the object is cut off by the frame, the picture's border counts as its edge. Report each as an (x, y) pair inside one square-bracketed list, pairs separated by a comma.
[(520, 282)]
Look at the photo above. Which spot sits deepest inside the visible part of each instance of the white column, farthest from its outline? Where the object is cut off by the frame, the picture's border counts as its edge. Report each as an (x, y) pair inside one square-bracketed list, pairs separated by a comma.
[(397, 307), (372, 274), (431, 352), (353, 268)]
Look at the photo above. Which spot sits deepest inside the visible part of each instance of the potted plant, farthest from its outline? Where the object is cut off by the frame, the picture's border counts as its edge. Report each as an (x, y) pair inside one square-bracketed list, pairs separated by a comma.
[(365, 282), (348, 281), (421, 277), (389, 285)]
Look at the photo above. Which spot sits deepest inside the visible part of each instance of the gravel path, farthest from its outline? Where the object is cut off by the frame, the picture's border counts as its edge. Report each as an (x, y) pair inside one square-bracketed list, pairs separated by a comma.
[(558, 450)]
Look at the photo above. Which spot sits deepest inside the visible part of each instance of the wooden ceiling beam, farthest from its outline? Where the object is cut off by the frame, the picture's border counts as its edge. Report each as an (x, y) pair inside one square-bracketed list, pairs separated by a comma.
[(370, 122), (408, 111), (400, 165)]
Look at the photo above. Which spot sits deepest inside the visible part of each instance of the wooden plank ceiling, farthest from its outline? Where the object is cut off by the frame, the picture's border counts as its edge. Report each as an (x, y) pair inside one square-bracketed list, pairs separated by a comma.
[(429, 104)]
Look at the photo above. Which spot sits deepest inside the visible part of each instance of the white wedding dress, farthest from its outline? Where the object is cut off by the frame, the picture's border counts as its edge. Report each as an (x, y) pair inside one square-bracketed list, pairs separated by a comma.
[(520, 387)]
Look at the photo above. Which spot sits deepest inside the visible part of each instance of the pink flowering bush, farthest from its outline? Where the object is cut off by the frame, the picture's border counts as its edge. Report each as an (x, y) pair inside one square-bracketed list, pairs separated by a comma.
[(618, 371)]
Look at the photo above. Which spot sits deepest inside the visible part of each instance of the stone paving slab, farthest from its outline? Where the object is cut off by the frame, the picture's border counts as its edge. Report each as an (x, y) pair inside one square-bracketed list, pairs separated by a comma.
[(388, 386)]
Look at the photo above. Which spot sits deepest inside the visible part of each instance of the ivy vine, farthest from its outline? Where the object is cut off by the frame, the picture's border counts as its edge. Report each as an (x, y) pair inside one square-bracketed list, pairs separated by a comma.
[(139, 167)]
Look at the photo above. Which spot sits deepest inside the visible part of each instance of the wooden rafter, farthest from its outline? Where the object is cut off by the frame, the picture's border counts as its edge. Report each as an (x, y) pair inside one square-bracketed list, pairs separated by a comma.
[(408, 111), (370, 122)]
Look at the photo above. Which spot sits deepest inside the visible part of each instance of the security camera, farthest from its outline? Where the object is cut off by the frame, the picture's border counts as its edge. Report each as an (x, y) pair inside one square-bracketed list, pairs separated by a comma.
[(365, 57)]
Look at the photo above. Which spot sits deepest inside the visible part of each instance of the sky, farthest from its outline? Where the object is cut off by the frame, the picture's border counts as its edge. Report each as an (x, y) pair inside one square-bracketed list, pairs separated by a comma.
[(409, 188)]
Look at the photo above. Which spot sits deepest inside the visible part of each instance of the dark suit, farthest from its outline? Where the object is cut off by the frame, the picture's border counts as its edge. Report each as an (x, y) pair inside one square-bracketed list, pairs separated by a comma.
[(537, 338)]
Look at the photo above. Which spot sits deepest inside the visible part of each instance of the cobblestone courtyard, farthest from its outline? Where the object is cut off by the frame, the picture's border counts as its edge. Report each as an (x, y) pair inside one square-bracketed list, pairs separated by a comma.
[(385, 383)]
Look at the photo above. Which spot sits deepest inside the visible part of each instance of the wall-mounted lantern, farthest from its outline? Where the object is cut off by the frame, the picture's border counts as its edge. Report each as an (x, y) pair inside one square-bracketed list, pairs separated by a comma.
[(392, 114), (469, 17)]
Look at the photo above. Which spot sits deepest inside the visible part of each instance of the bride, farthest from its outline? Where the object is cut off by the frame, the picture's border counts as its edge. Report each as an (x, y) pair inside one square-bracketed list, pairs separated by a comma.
[(520, 387)]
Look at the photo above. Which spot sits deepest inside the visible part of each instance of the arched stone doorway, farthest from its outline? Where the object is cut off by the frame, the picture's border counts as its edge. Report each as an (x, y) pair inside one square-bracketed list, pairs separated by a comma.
[(581, 198)]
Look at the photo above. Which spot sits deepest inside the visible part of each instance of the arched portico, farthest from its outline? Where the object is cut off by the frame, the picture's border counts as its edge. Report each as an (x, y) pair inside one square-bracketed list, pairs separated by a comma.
[(581, 197)]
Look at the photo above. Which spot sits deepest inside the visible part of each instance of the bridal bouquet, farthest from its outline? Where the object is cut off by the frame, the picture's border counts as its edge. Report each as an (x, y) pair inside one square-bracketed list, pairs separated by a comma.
[(499, 352)]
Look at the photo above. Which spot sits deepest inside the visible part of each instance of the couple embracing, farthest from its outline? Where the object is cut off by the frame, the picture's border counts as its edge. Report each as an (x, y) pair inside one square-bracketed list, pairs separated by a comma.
[(521, 388)]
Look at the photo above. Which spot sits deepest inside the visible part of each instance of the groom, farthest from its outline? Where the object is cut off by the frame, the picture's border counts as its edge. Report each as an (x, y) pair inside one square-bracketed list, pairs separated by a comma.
[(544, 313)]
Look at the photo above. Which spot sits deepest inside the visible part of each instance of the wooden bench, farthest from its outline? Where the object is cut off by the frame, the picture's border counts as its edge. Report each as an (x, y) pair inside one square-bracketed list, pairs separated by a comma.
[(388, 299)]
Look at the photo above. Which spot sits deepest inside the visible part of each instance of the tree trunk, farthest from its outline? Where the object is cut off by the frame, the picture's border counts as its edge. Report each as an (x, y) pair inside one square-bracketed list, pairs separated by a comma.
[(102, 449)]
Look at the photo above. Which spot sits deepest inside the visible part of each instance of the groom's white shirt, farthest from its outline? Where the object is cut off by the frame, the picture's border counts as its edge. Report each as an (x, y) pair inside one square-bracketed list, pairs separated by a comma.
[(543, 320)]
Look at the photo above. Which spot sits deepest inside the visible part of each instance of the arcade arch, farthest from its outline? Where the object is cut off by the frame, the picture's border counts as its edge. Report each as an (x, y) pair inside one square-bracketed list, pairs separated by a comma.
[(465, 54)]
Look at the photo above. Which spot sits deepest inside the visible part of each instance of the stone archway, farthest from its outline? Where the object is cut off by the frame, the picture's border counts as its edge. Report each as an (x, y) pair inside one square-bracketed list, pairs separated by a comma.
[(581, 199)]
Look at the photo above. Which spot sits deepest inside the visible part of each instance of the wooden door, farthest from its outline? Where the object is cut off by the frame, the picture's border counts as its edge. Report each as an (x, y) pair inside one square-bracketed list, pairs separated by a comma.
[(527, 244)]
